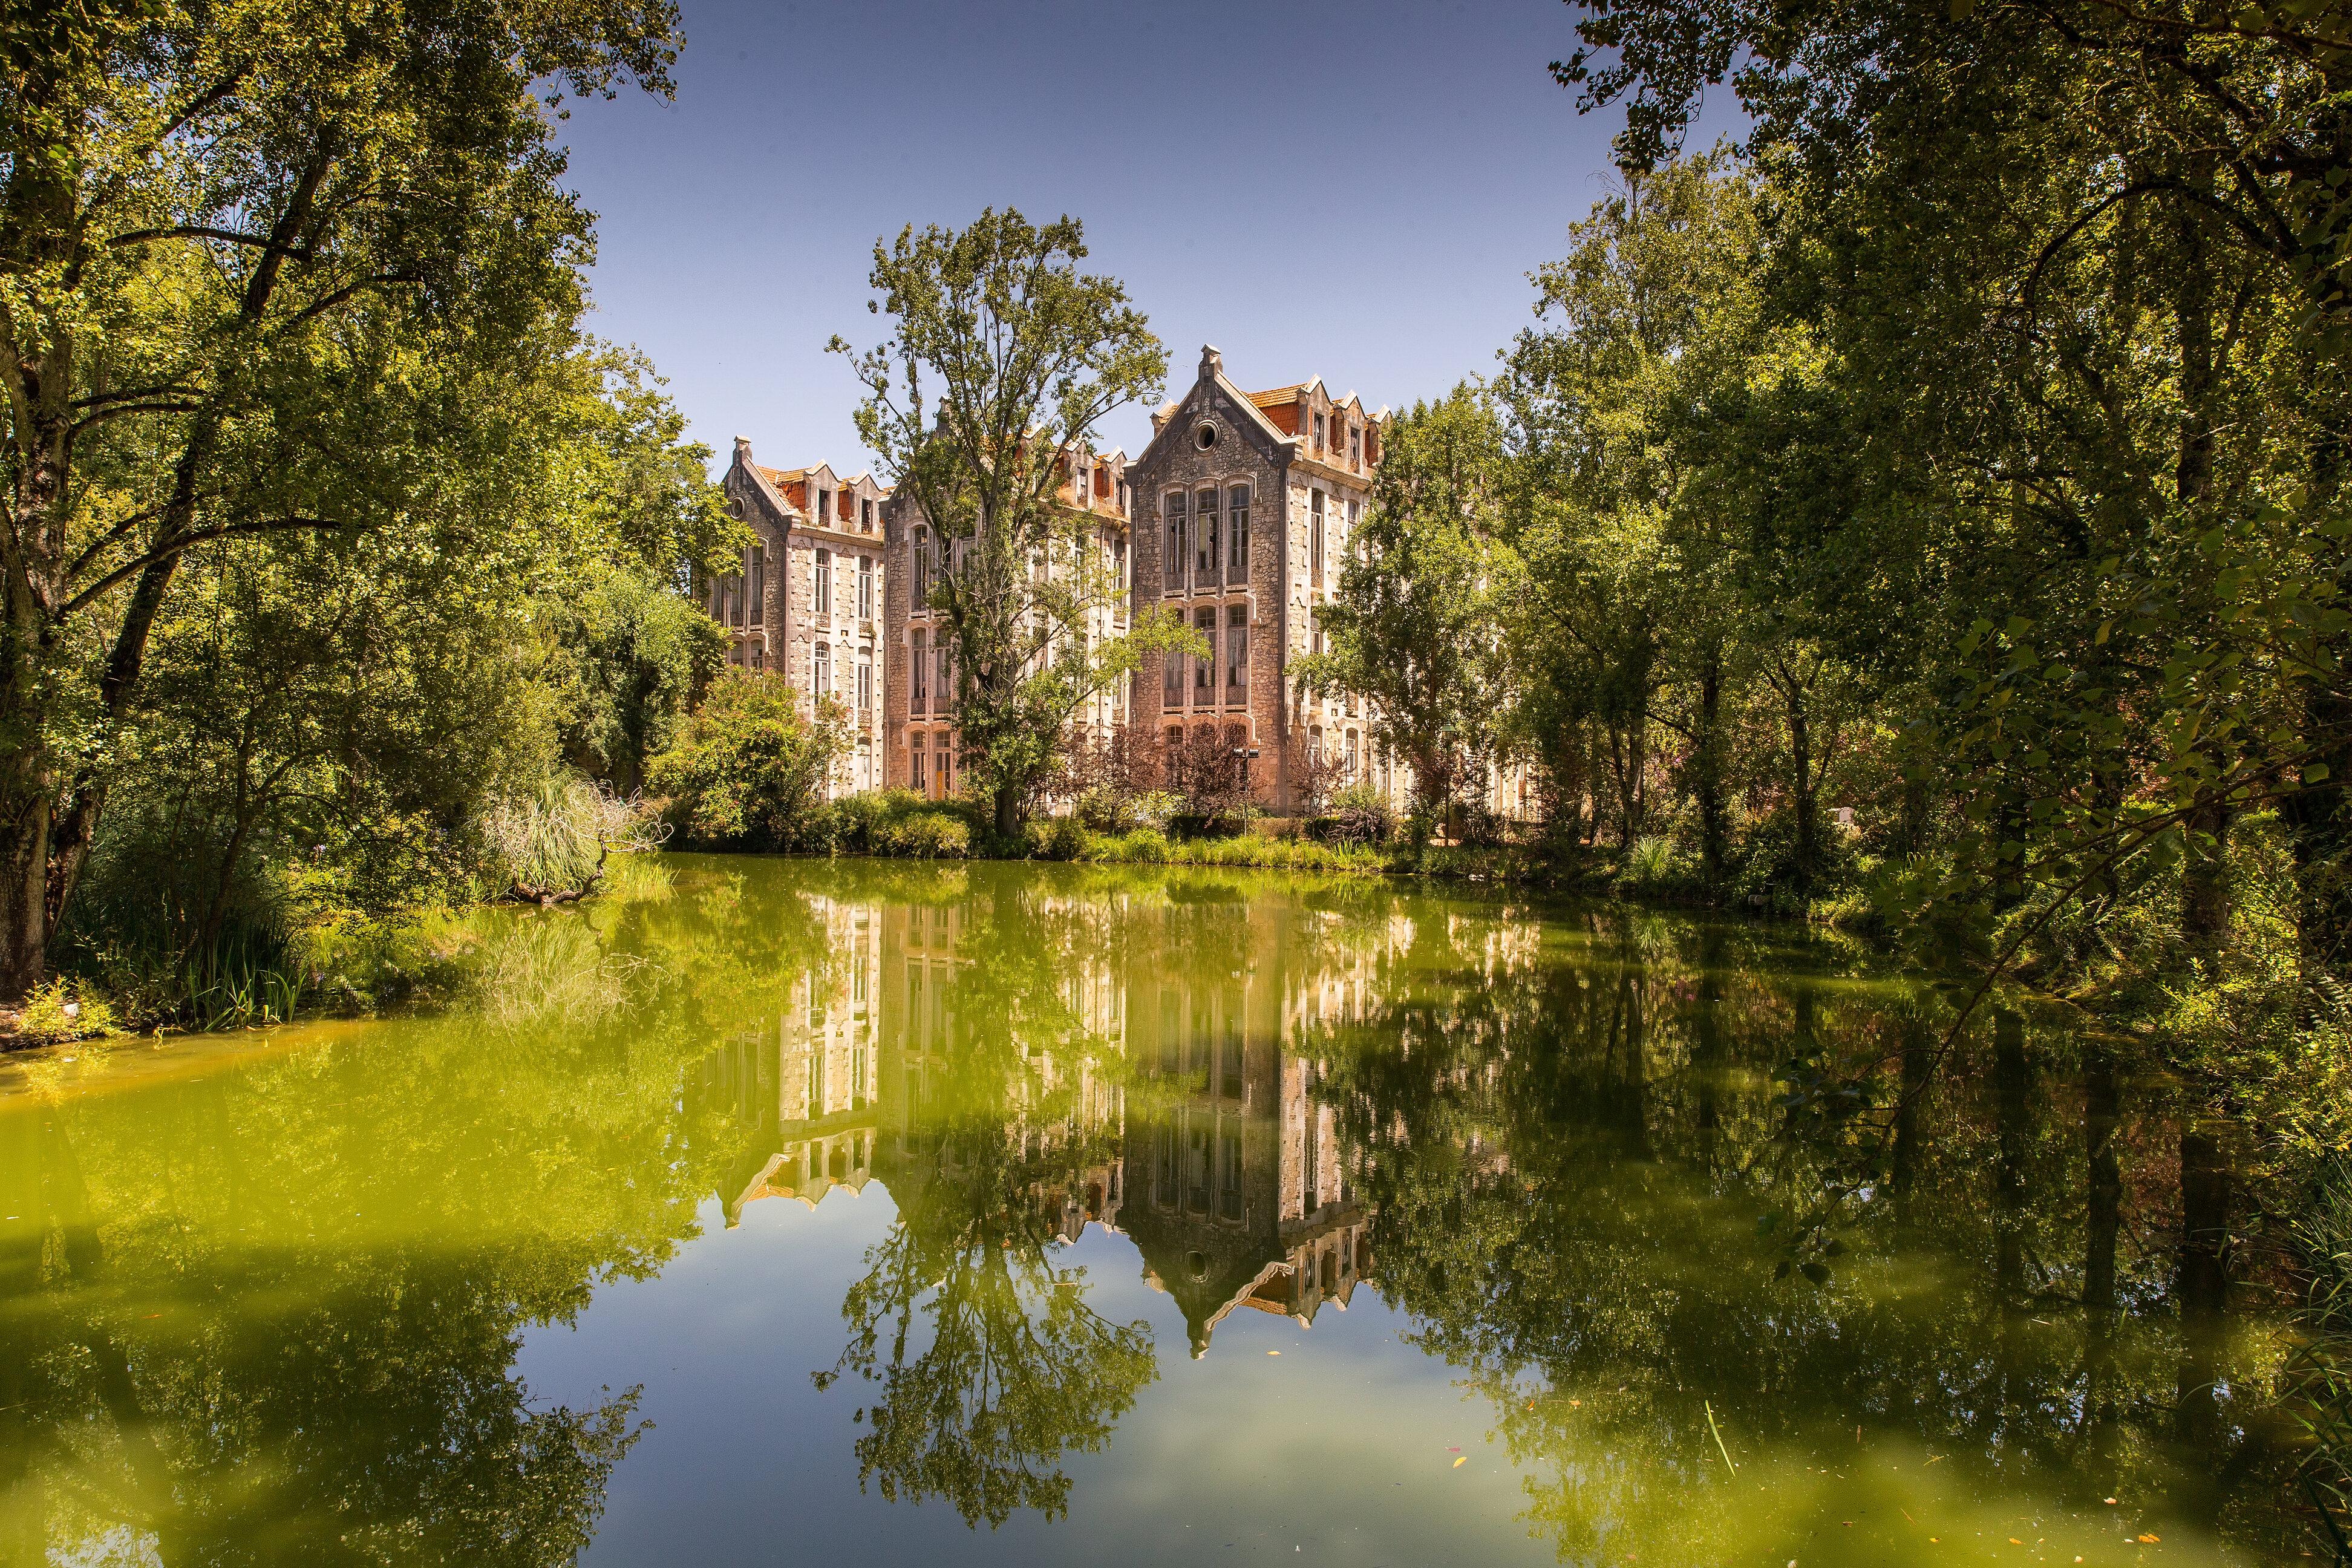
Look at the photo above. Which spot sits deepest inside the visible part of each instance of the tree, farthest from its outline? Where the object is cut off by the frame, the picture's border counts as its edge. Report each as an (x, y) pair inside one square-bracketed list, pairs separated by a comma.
[(1003, 361), (1416, 623), (198, 209), (2080, 271), (1616, 402), (748, 769)]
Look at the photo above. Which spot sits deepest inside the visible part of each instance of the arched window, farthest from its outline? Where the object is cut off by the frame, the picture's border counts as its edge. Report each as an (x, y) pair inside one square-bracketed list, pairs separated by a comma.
[(1204, 537), (1237, 511), (920, 555), (824, 582), (1175, 508)]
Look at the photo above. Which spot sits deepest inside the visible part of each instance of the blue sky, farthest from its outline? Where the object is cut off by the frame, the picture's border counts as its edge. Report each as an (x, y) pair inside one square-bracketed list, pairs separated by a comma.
[(1353, 191)]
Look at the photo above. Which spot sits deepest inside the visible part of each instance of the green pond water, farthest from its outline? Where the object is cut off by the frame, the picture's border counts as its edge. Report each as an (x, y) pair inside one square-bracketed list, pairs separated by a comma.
[(845, 1212)]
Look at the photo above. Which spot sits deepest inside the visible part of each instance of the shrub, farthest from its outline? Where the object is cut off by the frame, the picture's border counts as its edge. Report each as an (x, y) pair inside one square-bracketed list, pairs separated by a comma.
[(925, 835), (1058, 839), (748, 771), (61, 1011), (1360, 814)]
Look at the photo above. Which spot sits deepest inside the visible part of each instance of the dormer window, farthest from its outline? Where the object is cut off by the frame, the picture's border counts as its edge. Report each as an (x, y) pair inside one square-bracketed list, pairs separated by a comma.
[(865, 515), (823, 504), (1318, 432), (1355, 446)]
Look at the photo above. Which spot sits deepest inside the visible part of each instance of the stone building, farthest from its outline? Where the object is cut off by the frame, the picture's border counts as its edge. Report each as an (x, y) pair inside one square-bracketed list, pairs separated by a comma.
[(919, 737), (808, 599), (1247, 503)]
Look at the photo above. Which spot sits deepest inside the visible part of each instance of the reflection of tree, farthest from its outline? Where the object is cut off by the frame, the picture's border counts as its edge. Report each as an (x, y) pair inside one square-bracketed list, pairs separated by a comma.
[(1568, 1161), (269, 1311), (989, 1364), (1017, 1370)]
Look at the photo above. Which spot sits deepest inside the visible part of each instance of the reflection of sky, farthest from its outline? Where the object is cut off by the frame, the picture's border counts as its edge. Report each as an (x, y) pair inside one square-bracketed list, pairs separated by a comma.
[(1338, 1447), (1351, 191)]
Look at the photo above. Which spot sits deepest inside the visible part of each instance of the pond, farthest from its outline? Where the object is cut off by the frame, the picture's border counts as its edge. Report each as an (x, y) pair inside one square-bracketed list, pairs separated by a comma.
[(842, 1212)]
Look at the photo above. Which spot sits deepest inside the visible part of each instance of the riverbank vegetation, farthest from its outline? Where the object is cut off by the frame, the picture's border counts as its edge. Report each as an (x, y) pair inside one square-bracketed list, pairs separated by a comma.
[(339, 561)]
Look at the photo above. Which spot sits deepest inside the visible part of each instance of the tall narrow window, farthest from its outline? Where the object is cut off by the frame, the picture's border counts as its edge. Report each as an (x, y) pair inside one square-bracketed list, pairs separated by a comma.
[(1175, 508), (824, 582), (1236, 651), (947, 764), (825, 506), (1205, 538), (866, 683), (945, 669), (1172, 691), (917, 770), (866, 514), (919, 554), (1205, 673), (1352, 756), (759, 585), (820, 670), (1318, 433), (1119, 565), (920, 662), (865, 587), (1315, 519), (1237, 511)]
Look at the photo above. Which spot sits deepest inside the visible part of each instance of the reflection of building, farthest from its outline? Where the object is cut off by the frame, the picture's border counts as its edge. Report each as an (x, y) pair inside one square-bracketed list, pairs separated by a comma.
[(1183, 1078), (1248, 1202), (811, 1099)]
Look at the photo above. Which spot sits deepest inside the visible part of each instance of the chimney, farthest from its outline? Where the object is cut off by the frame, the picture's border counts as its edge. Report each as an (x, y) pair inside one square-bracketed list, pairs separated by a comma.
[(1211, 362), (742, 451)]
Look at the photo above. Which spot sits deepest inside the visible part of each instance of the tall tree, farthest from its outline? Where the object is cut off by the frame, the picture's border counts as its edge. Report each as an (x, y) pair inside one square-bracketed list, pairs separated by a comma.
[(196, 204), (1003, 361), (1416, 623)]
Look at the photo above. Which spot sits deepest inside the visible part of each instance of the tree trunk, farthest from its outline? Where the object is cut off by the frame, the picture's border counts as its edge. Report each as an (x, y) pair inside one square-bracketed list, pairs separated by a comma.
[(2201, 1284), (1707, 768), (1008, 810), (2205, 884), (1800, 759)]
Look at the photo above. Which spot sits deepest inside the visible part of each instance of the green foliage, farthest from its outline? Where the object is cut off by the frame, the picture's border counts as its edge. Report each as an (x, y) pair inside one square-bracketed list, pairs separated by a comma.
[(58, 1012), (1417, 616), (280, 278), (636, 656), (1004, 360), (749, 768)]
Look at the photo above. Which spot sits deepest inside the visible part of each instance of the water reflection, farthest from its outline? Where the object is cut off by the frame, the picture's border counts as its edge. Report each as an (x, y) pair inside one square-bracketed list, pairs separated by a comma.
[(267, 1303)]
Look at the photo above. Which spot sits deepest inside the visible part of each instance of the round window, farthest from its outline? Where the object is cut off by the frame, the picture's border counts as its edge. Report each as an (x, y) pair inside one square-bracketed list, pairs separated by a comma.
[(1205, 437)]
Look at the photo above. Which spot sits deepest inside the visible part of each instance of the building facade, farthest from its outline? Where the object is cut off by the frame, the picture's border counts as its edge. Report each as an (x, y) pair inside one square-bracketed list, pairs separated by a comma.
[(1237, 518), (807, 599), (1247, 503)]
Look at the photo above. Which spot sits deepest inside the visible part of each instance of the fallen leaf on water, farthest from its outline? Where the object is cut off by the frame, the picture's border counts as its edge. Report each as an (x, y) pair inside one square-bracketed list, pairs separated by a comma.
[(2109, 1501), (1462, 1461), (2015, 1541), (1273, 1352), (2150, 1539), (1936, 1459), (1576, 1404)]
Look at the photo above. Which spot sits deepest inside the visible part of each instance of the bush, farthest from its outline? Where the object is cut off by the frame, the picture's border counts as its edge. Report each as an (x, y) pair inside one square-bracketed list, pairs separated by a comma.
[(1057, 838), (1360, 814), (560, 833), (1651, 864), (748, 771), (61, 1011), (925, 835)]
